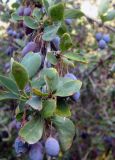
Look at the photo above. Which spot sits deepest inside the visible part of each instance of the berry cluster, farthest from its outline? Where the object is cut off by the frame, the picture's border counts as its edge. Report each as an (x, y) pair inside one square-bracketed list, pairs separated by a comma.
[(37, 150), (102, 39)]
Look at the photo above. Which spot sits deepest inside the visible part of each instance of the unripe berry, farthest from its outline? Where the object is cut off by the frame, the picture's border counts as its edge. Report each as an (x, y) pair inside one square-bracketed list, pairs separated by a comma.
[(102, 44), (52, 147), (98, 36), (106, 38)]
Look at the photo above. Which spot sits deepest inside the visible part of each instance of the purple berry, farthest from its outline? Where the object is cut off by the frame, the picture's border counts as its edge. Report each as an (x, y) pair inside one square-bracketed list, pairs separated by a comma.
[(71, 76), (76, 96), (68, 21), (106, 38), (20, 146), (98, 36), (52, 147), (10, 32), (14, 34), (20, 11), (56, 42), (31, 46), (4, 134), (27, 11), (102, 44), (36, 152)]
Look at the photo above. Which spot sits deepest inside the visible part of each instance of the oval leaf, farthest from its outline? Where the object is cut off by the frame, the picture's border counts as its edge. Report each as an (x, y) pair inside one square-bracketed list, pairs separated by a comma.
[(35, 103), (66, 130), (32, 131), (20, 75), (63, 109), (8, 96), (31, 62), (30, 22), (65, 42), (9, 84), (76, 57), (68, 87), (50, 32), (49, 107)]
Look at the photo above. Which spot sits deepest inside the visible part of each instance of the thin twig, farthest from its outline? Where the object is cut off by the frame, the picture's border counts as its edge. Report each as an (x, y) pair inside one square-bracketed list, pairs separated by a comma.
[(101, 23)]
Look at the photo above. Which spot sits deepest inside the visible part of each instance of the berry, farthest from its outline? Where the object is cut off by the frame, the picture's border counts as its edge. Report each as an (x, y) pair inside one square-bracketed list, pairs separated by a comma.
[(27, 11), (20, 11), (20, 146), (68, 21), (106, 38), (4, 134), (31, 46), (56, 42), (76, 96), (14, 34), (36, 152), (98, 36), (71, 76), (52, 147), (10, 32), (102, 44)]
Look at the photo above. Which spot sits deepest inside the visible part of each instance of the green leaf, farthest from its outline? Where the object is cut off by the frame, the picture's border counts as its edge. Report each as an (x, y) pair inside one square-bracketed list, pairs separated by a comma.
[(20, 42), (35, 102), (52, 58), (38, 83), (31, 62), (73, 13), (62, 29), (20, 75), (68, 87), (9, 84), (76, 57), (66, 130), (49, 107), (15, 17), (51, 78), (50, 32), (30, 22), (39, 93), (56, 12), (63, 108), (32, 130), (37, 14), (46, 4), (8, 96), (67, 62), (109, 16), (103, 6), (65, 42)]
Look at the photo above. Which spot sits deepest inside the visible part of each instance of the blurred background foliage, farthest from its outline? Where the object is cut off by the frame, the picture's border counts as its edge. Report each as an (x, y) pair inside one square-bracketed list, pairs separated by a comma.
[(94, 113)]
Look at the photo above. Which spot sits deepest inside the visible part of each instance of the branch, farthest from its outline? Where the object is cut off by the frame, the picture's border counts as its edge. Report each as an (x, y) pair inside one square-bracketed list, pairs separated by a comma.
[(100, 62), (101, 23)]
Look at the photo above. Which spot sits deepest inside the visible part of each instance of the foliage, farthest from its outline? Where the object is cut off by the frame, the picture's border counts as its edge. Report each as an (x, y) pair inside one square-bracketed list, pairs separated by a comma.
[(43, 47)]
